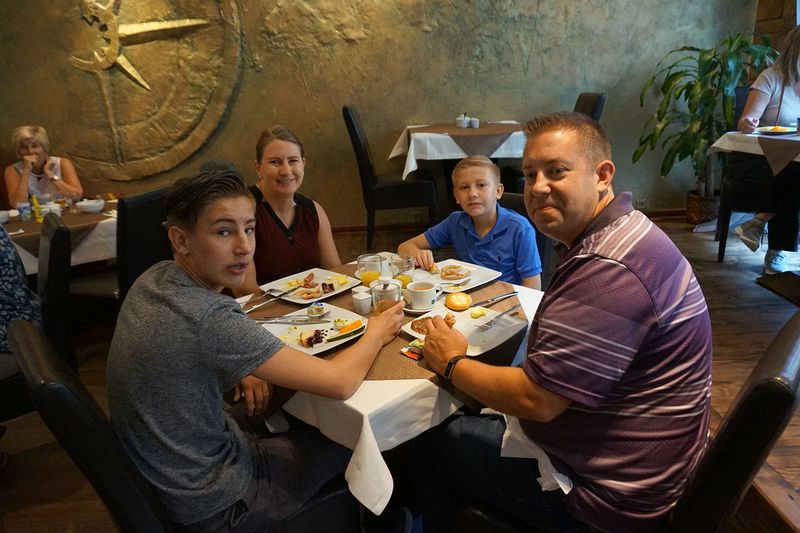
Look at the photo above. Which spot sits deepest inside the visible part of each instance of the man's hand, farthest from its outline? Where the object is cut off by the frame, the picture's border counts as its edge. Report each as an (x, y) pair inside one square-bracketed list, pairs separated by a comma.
[(255, 392), (441, 344)]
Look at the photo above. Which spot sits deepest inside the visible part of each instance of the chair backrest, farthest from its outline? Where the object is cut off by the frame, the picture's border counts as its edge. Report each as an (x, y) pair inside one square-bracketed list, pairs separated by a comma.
[(591, 104), (743, 441), (55, 251), (361, 149), (741, 92), (82, 428), (141, 238)]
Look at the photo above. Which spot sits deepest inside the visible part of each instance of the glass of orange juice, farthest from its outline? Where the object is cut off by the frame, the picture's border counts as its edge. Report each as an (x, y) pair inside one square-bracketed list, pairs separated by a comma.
[(402, 269), (369, 268)]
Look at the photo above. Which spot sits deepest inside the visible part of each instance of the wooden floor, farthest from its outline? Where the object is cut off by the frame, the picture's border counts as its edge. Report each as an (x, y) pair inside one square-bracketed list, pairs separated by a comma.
[(43, 491)]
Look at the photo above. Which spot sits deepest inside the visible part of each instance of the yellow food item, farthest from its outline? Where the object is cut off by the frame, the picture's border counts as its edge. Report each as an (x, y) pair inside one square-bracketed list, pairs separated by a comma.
[(477, 312), (434, 268), (295, 282), (458, 301), (339, 280)]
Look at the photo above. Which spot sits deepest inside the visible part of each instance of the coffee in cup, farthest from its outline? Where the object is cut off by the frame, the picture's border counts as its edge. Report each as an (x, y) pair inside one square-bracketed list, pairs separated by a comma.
[(421, 294)]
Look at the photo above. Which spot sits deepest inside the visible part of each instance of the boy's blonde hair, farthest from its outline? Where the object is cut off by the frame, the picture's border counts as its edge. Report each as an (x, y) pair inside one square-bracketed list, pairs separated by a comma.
[(29, 132), (477, 161)]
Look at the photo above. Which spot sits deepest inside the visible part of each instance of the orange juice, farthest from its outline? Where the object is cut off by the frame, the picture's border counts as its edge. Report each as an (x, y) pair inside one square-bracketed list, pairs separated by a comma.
[(369, 276), (405, 279)]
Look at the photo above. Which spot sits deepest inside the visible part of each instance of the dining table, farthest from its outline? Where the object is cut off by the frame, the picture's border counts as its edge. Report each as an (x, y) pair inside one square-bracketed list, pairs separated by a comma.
[(93, 237), (400, 397), (779, 150), (449, 142)]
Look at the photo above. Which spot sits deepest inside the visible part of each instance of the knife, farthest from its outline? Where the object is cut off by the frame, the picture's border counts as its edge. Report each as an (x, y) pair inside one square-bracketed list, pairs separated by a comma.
[(290, 320), (494, 299)]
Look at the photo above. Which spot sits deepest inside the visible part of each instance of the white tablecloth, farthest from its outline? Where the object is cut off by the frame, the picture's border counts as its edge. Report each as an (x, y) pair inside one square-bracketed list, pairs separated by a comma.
[(735, 141), (99, 245), (381, 415), (442, 146)]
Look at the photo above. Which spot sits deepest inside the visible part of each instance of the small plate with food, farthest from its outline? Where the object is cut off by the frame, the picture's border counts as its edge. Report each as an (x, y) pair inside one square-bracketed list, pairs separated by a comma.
[(776, 130), (457, 276), (313, 338), (467, 322), (310, 285)]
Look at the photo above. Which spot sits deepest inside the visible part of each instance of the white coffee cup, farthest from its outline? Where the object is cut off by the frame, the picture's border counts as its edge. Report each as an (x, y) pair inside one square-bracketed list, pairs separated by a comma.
[(421, 294)]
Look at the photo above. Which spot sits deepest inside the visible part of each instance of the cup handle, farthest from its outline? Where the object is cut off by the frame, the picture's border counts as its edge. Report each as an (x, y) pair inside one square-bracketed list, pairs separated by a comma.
[(439, 290)]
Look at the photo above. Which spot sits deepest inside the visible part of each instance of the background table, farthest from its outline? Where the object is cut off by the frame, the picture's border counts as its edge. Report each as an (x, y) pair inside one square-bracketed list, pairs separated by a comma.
[(93, 238), (398, 400), (436, 143)]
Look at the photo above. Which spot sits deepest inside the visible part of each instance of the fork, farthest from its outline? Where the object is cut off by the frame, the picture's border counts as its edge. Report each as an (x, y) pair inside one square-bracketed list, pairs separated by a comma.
[(490, 323)]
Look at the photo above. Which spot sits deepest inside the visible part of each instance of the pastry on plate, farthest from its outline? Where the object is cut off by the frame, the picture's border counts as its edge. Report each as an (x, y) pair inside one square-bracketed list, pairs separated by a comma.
[(451, 272), (458, 301)]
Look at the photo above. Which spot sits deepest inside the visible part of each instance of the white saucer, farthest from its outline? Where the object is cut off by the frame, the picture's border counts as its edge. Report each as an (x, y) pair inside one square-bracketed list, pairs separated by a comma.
[(417, 311)]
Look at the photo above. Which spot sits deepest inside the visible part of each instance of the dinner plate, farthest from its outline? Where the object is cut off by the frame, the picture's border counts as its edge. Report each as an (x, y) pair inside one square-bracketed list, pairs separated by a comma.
[(478, 340), (776, 130), (320, 276), (290, 334), (478, 275)]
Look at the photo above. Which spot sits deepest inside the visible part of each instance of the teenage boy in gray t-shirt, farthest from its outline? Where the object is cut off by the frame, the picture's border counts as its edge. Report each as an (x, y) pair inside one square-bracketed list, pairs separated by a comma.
[(180, 344)]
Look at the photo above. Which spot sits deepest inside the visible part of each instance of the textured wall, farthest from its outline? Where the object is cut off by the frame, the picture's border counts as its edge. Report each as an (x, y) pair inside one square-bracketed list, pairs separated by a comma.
[(398, 61)]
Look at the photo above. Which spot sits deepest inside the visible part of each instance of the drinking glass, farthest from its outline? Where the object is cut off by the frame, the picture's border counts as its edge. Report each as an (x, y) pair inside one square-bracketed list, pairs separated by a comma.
[(402, 269), (385, 294), (369, 268)]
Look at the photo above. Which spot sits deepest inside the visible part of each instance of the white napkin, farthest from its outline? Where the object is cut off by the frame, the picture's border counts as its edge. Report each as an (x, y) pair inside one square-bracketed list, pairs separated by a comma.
[(517, 444), (13, 213), (112, 213), (20, 230)]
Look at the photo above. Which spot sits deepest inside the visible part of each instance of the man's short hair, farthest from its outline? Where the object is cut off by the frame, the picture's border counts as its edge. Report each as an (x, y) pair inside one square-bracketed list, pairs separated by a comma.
[(189, 196), (477, 161), (29, 132), (594, 142)]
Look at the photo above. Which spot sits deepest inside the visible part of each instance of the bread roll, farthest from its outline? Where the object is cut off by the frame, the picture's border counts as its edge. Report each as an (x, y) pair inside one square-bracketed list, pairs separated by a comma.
[(458, 301)]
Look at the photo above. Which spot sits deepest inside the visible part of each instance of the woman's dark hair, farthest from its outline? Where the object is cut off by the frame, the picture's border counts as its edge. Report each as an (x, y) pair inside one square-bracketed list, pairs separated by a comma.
[(277, 133), (189, 196)]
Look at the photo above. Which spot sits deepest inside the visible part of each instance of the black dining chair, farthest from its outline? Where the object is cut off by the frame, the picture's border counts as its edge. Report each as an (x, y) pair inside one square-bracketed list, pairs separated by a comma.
[(53, 289), (387, 191), (141, 242), (83, 429), (759, 414), (590, 104)]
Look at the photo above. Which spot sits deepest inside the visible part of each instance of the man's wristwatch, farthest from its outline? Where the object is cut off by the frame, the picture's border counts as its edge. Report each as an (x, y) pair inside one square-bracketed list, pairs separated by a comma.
[(451, 365)]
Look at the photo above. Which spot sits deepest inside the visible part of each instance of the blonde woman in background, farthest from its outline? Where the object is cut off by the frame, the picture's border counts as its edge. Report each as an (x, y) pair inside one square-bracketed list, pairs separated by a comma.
[(776, 90), (37, 172)]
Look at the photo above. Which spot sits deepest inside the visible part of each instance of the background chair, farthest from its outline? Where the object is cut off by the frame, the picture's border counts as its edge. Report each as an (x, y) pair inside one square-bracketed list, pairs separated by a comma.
[(755, 421), (82, 428), (587, 103), (387, 192), (53, 289), (590, 104), (734, 193), (141, 242)]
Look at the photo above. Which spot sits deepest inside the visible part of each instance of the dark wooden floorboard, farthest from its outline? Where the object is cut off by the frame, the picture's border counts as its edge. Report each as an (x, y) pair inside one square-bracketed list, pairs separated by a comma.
[(42, 491)]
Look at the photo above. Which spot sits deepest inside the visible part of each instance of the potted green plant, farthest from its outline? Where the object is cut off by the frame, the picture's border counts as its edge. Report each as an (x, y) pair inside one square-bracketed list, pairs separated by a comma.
[(697, 99)]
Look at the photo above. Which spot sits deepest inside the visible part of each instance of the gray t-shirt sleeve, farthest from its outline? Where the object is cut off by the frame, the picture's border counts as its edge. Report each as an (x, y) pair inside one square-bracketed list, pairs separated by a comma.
[(240, 344)]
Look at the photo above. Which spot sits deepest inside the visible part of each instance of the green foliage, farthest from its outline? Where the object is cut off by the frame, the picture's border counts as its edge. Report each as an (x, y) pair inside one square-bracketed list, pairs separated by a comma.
[(697, 93)]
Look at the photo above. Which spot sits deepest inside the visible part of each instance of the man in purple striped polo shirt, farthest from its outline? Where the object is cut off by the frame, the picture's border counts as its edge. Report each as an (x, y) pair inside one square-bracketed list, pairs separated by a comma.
[(614, 393)]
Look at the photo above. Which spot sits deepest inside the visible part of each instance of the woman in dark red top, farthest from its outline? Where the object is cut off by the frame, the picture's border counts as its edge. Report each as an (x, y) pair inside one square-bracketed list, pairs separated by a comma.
[(293, 232)]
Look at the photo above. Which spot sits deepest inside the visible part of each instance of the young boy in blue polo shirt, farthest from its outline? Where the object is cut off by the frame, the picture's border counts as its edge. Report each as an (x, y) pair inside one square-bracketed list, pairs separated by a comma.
[(484, 233)]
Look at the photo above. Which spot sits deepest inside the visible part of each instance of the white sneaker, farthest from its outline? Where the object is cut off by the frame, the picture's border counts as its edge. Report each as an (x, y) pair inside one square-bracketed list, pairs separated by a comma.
[(775, 262), (751, 233)]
